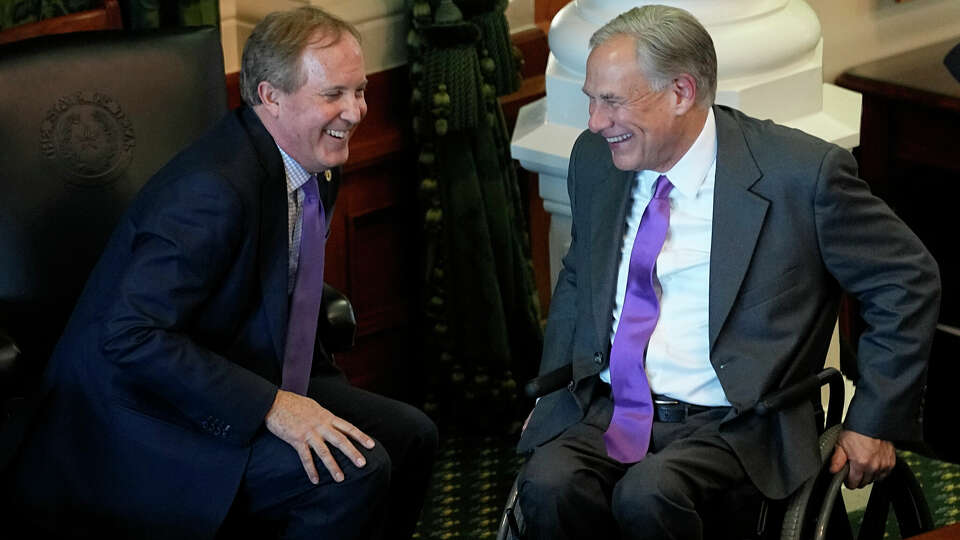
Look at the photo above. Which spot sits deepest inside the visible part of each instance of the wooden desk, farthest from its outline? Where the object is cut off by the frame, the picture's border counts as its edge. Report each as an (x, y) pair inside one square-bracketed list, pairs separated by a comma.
[(950, 532), (910, 150)]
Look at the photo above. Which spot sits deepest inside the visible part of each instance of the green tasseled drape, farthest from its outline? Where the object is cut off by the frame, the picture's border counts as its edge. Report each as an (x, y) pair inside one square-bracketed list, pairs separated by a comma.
[(136, 13), (481, 326), (16, 12), (164, 13)]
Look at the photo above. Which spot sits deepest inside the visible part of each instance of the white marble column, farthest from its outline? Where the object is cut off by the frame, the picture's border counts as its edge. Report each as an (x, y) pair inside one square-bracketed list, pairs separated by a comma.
[(770, 66), (382, 24)]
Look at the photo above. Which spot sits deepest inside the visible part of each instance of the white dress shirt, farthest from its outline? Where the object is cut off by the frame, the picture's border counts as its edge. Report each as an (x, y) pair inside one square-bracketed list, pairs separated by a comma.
[(678, 355)]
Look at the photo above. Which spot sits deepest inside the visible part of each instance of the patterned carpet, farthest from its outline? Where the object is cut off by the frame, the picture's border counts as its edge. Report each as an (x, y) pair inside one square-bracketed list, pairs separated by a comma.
[(471, 481), (941, 487), (473, 476)]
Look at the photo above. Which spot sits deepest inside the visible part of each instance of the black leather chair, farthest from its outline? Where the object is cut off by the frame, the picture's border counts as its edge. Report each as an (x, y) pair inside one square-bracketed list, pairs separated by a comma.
[(815, 510), (85, 120)]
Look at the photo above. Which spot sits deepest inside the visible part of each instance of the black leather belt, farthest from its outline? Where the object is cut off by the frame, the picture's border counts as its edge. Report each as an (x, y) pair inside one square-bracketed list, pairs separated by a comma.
[(671, 410)]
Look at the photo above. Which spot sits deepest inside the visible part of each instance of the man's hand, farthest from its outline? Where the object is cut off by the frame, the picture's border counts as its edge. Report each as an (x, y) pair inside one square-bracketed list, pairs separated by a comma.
[(870, 459), (303, 424)]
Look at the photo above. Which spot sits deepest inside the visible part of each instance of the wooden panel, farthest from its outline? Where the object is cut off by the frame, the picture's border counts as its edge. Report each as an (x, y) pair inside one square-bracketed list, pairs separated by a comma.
[(544, 10), (382, 236)]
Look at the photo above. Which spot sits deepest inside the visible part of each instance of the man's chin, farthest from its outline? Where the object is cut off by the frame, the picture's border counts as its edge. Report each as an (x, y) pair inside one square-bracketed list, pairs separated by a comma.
[(624, 164), (330, 161)]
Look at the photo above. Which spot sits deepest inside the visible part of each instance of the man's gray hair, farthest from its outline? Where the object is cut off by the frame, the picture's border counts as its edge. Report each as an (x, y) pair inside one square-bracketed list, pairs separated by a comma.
[(273, 51), (670, 41)]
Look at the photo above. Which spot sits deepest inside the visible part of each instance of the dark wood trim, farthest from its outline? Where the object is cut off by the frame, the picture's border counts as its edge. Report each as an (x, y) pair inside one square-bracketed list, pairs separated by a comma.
[(545, 10), (107, 17), (233, 90), (898, 92)]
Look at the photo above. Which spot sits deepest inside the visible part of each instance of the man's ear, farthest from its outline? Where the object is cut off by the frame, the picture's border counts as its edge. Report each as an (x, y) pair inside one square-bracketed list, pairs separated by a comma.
[(269, 98), (684, 89)]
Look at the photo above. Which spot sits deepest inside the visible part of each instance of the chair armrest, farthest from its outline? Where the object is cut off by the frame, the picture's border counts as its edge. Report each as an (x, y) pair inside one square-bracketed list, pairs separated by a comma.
[(803, 390), (337, 326), (549, 382)]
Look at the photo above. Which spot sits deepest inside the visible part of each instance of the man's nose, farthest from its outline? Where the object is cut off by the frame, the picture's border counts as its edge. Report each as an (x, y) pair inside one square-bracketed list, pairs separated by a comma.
[(354, 110), (599, 119)]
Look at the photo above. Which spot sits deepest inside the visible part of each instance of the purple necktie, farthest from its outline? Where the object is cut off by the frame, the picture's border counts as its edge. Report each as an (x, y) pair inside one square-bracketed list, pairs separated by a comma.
[(307, 292), (628, 436)]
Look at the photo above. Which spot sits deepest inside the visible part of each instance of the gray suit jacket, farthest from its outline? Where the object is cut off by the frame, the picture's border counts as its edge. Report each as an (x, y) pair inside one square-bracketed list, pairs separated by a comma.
[(792, 227)]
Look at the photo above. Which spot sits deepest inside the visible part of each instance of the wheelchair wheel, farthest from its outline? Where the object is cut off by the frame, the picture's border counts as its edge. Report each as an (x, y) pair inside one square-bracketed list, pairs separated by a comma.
[(511, 521), (817, 507)]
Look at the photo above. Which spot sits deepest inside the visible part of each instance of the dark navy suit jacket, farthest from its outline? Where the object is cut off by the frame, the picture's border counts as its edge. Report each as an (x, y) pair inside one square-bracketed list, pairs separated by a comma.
[(172, 356)]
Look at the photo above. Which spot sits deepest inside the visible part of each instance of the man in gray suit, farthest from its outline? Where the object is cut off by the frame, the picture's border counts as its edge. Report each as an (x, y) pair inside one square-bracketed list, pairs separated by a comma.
[(764, 228)]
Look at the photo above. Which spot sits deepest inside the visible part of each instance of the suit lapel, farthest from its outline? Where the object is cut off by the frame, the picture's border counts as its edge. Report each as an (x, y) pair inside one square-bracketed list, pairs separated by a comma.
[(606, 238), (738, 216), (274, 259)]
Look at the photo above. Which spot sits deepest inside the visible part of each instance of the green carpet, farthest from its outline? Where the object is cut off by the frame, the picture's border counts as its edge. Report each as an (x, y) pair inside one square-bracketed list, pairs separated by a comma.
[(940, 482), (473, 476), (471, 481)]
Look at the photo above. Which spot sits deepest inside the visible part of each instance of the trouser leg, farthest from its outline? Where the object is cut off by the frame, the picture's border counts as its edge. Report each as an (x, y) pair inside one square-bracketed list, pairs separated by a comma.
[(408, 435), (275, 489), (663, 496), (565, 486)]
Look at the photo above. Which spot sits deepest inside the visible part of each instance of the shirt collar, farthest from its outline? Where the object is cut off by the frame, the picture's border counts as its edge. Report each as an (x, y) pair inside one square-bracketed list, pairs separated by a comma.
[(296, 174), (688, 174)]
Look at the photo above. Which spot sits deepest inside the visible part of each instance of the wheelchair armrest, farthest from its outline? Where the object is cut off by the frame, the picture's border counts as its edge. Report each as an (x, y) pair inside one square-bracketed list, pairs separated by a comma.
[(803, 390), (337, 326), (549, 382)]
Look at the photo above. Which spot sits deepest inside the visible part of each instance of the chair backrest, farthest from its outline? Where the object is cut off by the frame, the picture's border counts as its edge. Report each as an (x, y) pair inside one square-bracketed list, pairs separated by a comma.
[(105, 17), (85, 120)]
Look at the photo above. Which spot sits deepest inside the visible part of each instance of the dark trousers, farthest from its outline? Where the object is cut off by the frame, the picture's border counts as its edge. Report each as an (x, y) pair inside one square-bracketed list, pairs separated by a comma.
[(570, 488), (381, 499)]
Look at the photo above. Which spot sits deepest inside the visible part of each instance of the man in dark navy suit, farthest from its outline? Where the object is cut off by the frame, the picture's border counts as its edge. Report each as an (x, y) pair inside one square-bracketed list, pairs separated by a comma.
[(171, 397)]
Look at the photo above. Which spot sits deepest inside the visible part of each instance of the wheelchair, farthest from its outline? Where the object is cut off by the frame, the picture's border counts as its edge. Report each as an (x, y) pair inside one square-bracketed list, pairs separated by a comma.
[(815, 510)]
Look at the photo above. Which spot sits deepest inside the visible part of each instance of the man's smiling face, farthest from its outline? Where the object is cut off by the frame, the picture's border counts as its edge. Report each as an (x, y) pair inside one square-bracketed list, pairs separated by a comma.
[(314, 123), (640, 125)]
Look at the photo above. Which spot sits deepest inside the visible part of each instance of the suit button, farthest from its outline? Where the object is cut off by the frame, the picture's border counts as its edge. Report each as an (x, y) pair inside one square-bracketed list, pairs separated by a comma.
[(598, 358)]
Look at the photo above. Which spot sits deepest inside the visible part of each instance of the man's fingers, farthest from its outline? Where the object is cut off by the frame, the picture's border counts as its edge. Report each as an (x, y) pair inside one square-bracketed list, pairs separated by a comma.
[(838, 459), (855, 479), (320, 448), (353, 432), (339, 440), (307, 460)]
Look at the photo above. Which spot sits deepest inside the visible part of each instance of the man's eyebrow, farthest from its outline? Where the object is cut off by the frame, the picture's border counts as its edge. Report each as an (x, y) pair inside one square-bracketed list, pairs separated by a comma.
[(605, 96), (342, 87)]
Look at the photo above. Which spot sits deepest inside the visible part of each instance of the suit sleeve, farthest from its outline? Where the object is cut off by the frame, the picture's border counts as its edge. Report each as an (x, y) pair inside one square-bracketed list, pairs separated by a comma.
[(876, 258), (183, 246), (561, 320)]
